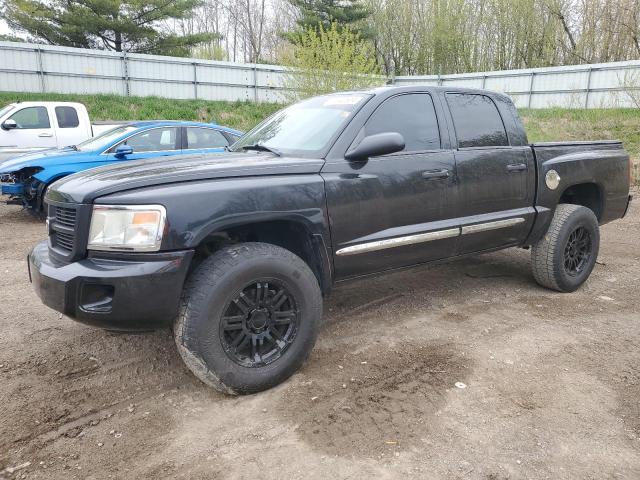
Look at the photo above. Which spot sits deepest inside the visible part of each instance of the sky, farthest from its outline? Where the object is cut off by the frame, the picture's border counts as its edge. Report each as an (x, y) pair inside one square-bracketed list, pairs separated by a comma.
[(4, 29)]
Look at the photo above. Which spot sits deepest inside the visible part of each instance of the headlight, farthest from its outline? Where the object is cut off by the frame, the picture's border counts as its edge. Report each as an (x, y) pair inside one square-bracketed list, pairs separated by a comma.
[(127, 227)]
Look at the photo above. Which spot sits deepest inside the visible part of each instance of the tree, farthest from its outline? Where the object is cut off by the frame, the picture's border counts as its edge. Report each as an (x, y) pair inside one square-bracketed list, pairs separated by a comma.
[(324, 13), (331, 60), (120, 25)]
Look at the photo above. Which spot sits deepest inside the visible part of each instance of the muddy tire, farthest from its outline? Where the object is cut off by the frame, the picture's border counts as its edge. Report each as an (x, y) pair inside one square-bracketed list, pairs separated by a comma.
[(564, 258), (249, 317)]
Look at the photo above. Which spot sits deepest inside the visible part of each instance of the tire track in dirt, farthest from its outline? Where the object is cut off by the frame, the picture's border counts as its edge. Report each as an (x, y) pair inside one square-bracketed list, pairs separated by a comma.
[(392, 396)]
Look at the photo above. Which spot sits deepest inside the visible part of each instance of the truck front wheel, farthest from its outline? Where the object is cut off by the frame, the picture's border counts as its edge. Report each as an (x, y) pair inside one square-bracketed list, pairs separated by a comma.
[(564, 258), (249, 318)]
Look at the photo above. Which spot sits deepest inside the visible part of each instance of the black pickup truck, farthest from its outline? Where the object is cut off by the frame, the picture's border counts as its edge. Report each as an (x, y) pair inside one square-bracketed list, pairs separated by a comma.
[(237, 250)]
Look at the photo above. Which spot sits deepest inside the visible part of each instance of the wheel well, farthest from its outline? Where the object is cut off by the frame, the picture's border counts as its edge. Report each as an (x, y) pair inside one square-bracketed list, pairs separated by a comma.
[(290, 235), (585, 194)]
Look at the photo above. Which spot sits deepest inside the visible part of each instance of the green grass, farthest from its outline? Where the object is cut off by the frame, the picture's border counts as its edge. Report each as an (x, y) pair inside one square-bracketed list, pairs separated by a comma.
[(240, 115), (542, 125)]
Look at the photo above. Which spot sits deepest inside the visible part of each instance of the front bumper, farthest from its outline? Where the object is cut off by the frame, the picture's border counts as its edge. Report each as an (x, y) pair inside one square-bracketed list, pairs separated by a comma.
[(132, 292), (11, 188)]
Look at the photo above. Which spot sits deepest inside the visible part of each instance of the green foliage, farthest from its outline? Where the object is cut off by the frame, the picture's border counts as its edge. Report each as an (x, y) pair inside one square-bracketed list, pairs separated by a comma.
[(209, 51), (240, 115), (316, 14), (420, 37), (329, 60), (11, 38), (120, 25)]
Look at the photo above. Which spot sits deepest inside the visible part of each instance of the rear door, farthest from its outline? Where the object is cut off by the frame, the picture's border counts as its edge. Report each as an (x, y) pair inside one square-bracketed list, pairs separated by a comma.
[(204, 140), (34, 129), (495, 201), (394, 208)]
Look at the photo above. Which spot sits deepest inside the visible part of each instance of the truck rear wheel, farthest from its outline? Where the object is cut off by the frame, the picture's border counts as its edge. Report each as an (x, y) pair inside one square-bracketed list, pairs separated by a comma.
[(564, 258), (249, 318)]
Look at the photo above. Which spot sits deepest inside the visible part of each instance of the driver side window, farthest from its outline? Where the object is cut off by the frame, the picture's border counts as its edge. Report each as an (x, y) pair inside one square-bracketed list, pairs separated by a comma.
[(31, 118), (153, 140), (411, 115)]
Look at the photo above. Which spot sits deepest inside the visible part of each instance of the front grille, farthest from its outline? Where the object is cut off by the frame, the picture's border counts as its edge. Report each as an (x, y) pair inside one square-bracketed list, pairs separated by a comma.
[(65, 216), (64, 235), (65, 241)]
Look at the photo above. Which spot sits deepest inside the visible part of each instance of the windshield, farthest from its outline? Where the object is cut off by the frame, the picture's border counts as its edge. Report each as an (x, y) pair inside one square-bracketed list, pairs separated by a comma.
[(104, 139), (6, 110), (305, 127)]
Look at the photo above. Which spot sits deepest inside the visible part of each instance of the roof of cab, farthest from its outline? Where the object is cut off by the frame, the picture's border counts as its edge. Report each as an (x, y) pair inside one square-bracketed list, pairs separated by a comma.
[(386, 89), (45, 104)]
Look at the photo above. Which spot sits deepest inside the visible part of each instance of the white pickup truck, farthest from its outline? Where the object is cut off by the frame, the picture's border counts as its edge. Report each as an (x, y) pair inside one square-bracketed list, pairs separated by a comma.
[(29, 126)]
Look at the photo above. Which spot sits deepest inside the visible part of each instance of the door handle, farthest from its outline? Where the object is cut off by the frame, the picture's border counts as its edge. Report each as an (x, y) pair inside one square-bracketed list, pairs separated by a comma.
[(519, 167), (46, 135), (435, 174)]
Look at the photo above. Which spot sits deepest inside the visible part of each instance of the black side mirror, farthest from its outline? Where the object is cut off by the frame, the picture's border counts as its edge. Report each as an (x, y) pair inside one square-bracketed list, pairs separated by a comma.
[(376, 145), (9, 124), (123, 150)]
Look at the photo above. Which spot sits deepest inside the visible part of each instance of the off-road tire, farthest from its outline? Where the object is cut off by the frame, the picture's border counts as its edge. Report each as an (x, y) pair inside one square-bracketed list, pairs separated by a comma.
[(548, 254), (209, 291)]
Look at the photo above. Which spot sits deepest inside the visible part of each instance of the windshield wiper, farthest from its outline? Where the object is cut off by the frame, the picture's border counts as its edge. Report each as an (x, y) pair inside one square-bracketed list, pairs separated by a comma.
[(72, 147), (261, 148)]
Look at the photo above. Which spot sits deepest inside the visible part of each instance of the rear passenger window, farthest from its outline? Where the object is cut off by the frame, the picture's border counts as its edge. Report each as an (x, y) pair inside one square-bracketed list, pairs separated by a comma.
[(67, 117), (476, 120), (205, 138), (413, 116)]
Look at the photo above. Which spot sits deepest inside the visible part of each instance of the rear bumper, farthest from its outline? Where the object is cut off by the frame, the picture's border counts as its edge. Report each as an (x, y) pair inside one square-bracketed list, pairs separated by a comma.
[(134, 293)]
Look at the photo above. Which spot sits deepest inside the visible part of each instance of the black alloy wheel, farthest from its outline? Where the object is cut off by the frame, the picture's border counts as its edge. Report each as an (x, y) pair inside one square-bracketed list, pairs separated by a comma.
[(259, 324), (578, 251)]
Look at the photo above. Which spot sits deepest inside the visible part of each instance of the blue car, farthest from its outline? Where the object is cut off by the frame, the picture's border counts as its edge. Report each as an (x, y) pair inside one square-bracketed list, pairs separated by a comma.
[(26, 178)]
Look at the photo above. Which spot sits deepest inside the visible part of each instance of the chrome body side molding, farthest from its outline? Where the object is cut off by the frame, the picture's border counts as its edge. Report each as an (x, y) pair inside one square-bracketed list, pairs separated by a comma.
[(399, 241), (483, 227)]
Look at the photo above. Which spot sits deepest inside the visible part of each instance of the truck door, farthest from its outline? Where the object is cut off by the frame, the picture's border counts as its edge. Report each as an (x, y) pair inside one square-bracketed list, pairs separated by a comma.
[(33, 129), (69, 131), (394, 208), (495, 188)]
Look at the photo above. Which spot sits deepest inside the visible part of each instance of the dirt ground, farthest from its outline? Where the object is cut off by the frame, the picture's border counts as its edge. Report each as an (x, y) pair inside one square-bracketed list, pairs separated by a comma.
[(552, 382)]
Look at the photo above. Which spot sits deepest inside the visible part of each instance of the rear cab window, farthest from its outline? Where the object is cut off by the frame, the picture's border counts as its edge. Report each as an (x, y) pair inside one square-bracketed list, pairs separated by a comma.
[(476, 120), (67, 117), (413, 116)]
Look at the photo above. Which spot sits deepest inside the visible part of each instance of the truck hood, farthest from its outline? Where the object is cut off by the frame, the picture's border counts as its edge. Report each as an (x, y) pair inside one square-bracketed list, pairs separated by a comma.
[(84, 187), (45, 158)]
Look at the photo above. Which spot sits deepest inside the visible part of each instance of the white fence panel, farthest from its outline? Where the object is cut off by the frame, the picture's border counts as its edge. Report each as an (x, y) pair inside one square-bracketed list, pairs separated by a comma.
[(42, 68)]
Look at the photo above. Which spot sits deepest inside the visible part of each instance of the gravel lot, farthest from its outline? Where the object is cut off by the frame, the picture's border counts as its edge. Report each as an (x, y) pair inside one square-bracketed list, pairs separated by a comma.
[(552, 382)]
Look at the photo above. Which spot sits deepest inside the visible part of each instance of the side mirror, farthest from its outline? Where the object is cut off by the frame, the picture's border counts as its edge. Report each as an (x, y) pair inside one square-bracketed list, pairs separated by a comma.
[(376, 145), (9, 124), (123, 151)]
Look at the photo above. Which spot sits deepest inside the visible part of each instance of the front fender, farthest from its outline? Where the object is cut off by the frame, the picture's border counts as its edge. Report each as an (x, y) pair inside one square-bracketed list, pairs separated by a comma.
[(197, 209)]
